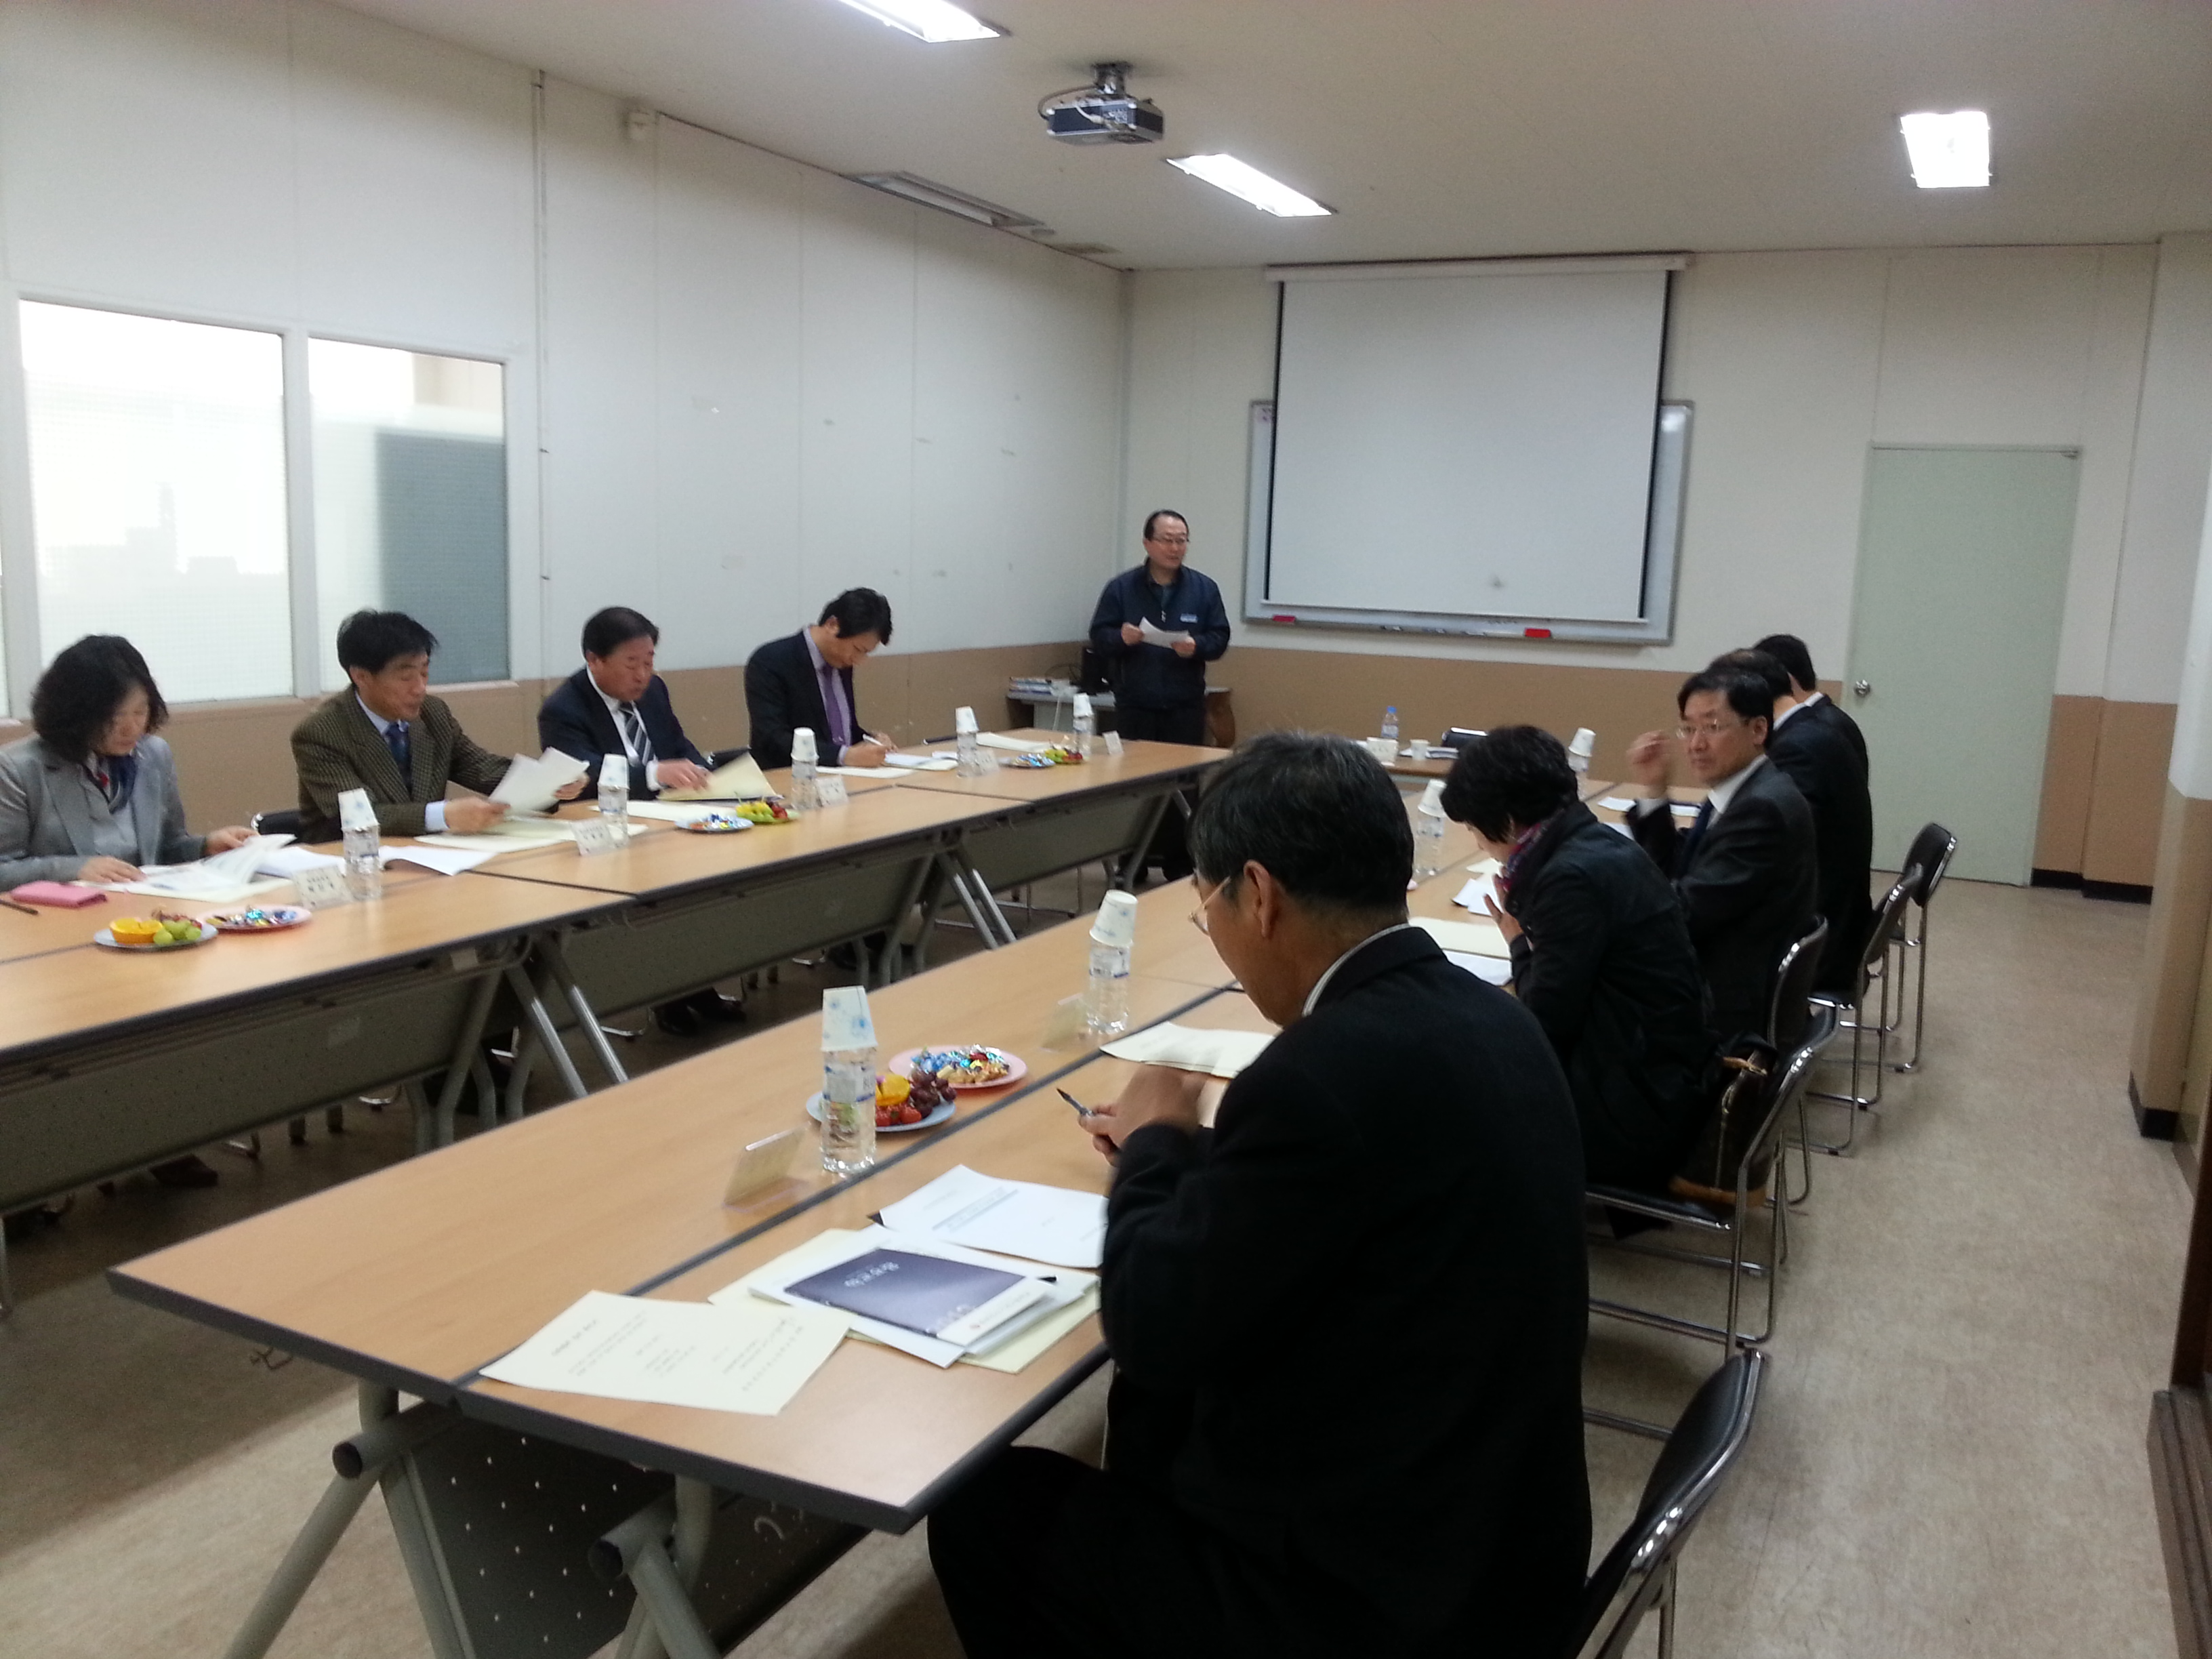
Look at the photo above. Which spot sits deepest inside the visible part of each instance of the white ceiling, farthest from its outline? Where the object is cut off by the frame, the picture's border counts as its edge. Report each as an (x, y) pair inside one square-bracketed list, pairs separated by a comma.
[(1447, 127)]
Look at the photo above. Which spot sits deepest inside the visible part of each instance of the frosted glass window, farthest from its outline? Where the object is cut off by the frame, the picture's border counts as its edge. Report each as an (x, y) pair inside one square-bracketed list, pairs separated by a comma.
[(157, 494), (411, 500)]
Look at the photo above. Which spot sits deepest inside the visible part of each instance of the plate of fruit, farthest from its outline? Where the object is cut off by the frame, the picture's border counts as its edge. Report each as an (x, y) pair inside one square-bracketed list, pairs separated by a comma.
[(263, 919), (961, 1065), (902, 1103), (773, 810), (165, 931), (720, 821)]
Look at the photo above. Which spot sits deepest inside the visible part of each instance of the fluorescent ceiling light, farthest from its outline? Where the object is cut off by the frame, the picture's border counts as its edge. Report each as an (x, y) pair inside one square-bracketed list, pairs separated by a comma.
[(1948, 152), (933, 21), (1242, 179), (946, 199)]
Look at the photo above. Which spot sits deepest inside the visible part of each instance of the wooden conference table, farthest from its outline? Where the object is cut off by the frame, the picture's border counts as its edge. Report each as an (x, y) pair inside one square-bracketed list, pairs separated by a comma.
[(109, 1062), (413, 1278)]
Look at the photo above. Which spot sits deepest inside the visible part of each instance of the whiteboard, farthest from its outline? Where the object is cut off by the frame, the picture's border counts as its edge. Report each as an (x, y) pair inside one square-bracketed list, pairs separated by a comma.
[(1476, 453)]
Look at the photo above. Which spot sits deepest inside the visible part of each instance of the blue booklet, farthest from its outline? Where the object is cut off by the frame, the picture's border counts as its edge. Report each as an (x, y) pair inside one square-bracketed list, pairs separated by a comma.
[(917, 1292)]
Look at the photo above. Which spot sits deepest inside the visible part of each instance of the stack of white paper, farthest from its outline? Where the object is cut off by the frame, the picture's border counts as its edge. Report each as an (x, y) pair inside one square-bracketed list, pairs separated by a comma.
[(507, 836), (739, 780), (922, 763), (746, 1357), (1489, 970), (1474, 895), (861, 771), (1153, 633), (1480, 939), (1015, 1218), (531, 786), (1013, 745), (1062, 1303), (219, 879), (447, 861), (1220, 1054)]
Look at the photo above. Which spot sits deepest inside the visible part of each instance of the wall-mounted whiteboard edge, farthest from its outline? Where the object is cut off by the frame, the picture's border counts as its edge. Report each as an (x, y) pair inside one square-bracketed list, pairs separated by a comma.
[(1662, 552), (1567, 266)]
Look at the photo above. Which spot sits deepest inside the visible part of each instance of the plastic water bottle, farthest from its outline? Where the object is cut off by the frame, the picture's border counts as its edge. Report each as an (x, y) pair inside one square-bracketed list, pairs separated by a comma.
[(1113, 935), (848, 1081), (364, 854), (614, 794), (1429, 831), (805, 796), (1086, 727), (1390, 723), (964, 742)]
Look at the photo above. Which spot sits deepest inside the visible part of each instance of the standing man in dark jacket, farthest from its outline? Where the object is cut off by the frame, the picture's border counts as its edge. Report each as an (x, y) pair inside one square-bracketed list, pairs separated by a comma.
[(1601, 956), (1817, 754), (1347, 1321), (1805, 688), (1159, 683), (615, 704), (1745, 873)]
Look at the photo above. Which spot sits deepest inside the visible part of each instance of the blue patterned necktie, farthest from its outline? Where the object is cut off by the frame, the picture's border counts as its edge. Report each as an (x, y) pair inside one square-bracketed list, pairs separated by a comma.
[(395, 738), (1691, 841)]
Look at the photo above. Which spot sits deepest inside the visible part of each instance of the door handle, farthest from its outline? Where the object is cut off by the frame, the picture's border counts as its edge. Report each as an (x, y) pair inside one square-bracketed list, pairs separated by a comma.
[(1862, 688)]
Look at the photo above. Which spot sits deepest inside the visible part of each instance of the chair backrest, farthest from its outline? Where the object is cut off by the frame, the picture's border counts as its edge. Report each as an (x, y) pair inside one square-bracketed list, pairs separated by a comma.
[(1456, 738), (1886, 925), (285, 821), (1706, 1440), (1931, 854), (1786, 1015)]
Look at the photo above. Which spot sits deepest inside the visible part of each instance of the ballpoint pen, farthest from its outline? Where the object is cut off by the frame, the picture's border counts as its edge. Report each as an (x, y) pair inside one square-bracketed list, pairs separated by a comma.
[(28, 911), (1080, 1109)]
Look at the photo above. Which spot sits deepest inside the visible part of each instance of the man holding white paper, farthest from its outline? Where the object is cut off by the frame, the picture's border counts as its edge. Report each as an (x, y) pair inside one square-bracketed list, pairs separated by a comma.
[(1346, 1322), (1157, 626), (386, 735)]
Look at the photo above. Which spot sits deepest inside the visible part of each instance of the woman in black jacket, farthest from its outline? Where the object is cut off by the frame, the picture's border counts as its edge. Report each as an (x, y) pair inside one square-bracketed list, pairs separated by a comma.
[(1601, 956)]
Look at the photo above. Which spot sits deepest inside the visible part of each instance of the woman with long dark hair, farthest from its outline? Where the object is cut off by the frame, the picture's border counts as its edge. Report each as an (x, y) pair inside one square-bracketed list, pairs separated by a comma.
[(93, 797)]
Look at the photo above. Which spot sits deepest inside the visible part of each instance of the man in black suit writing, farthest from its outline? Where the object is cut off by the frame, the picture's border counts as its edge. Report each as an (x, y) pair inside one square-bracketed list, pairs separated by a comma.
[(615, 704), (1744, 871), (806, 679), (1347, 1321)]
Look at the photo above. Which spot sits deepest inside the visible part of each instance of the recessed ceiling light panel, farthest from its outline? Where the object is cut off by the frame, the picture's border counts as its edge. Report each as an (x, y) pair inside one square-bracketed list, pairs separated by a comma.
[(1241, 178), (1948, 151), (934, 21)]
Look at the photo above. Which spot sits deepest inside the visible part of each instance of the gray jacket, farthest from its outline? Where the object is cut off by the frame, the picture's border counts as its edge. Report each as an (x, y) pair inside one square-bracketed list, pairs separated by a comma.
[(46, 813)]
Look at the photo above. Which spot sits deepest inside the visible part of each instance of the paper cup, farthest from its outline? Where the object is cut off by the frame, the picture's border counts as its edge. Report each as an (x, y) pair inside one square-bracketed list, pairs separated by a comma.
[(1383, 749), (1117, 920)]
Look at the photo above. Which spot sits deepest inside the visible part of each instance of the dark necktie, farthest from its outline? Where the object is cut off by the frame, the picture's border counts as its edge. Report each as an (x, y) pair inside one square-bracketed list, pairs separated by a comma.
[(640, 746), (1690, 842), (395, 738)]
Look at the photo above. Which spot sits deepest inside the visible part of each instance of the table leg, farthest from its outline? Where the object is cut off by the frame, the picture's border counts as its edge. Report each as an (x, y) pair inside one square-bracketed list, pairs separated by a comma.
[(541, 1024), (360, 1463), (558, 966), (960, 881), (1133, 861), (990, 904), (466, 1059)]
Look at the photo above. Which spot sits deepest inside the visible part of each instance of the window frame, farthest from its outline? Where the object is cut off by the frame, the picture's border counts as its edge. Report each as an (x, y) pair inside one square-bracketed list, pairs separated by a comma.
[(26, 654)]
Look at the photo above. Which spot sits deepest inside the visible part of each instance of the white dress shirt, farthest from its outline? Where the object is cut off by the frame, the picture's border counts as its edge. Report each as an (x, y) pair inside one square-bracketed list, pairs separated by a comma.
[(1719, 795), (1783, 719), (629, 752), (1329, 973)]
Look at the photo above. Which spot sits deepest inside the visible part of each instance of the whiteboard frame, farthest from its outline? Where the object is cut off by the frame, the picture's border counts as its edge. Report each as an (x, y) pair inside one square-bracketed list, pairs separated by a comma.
[(1663, 554)]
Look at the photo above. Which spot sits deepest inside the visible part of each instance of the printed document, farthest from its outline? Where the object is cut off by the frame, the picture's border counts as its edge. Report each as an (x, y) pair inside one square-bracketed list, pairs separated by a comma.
[(1188, 1048), (1014, 1217), (1471, 896), (749, 1357), (738, 780), (529, 784), (1153, 633), (1480, 939), (1489, 970)]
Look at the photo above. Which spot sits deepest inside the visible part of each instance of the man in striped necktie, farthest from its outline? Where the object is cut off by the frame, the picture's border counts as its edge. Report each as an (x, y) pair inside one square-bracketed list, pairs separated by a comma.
[(617, 705)]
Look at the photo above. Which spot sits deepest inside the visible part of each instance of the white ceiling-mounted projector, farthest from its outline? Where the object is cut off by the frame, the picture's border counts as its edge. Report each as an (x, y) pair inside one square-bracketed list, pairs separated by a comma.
[(1104, 113)]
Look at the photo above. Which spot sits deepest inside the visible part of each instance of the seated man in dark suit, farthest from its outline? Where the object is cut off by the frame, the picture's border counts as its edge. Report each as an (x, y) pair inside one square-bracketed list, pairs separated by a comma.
[(1601, 956), (1347, 1321), (1805, 688), (615, 704), (806, 679), (1745, 873), (389, 736), (1831, 775)]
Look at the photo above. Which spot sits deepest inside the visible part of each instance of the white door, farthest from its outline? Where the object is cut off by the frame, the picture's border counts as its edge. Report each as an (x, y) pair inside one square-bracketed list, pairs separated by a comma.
[(1955, 645)]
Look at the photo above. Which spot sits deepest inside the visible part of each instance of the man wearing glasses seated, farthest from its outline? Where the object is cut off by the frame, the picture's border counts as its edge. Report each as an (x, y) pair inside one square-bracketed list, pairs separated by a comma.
[(1744, 870), (1347, 1321)]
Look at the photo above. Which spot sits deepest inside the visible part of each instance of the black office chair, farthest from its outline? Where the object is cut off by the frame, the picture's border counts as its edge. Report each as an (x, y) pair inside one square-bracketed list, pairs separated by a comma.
[(1796, 1020), (1932, 849), (285, 821), (1638, 1572), (1849, 1014), (1456, 738)]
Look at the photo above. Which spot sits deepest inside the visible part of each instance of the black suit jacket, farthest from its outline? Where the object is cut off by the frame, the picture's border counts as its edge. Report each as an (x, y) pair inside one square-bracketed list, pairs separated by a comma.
[(1604, 960), (1831, 713), (1746, 891), (1348, 1321), (575, 720), (783, 695), (1831, 776)]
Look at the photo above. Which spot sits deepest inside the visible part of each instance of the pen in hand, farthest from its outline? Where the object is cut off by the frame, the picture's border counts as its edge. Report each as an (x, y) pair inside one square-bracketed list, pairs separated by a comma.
[(26, 909), (1081, 1110)]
